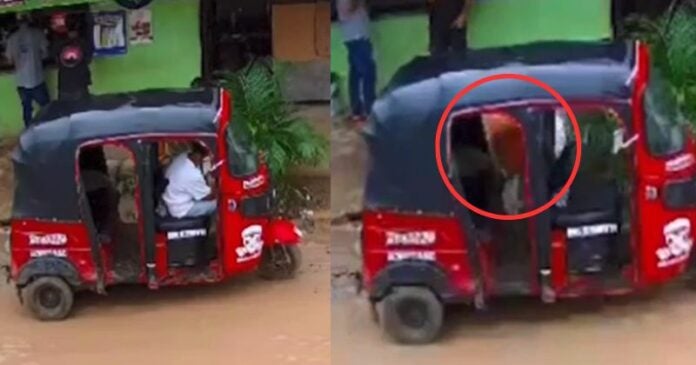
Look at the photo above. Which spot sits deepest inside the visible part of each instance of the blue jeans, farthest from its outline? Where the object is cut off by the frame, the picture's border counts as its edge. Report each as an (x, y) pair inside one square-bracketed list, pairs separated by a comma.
[(202, 208), (28, 96), (362, 76)]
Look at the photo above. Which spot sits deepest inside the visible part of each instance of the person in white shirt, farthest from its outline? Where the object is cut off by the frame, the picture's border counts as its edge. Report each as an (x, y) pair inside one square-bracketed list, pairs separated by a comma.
[(188, 194), (362, 74), (26, 49)]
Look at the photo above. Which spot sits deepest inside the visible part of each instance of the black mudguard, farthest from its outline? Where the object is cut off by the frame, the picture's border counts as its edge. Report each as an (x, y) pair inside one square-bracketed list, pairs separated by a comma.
[(49, 266), (412, 273)]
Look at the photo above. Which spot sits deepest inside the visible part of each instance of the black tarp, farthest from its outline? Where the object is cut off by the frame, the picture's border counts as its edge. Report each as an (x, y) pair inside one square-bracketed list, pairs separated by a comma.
[(403, 175), (45, 159)]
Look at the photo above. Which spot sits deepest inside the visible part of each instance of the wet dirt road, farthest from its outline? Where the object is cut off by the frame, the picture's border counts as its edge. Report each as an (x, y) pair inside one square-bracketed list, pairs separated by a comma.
[(243, 321), (654, 328)]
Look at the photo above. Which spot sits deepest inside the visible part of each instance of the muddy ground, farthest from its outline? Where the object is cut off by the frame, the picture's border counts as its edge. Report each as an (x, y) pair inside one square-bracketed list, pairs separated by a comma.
[(243, 321), (654, 328)]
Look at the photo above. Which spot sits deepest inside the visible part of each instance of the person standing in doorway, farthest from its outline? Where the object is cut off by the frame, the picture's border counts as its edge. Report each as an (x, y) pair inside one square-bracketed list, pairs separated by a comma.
[(355, 22), (73, 55), (26, 49), (448, 21)]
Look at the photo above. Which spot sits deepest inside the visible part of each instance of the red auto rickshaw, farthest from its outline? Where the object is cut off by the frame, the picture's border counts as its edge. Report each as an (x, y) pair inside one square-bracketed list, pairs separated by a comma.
[(624, 225), (66, 236)]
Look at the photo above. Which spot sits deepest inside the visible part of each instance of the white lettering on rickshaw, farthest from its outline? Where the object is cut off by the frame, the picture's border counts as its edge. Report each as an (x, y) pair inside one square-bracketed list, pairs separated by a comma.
[(189, 233), (592, 230), (51, 239), (411, 255), (60, 252), (254, 182), (415, 238), (680, 162)]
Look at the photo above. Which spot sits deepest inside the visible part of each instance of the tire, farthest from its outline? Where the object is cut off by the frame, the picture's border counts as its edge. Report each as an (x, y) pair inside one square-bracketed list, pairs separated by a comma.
[(49, 298), (411, 315), (280, 262)]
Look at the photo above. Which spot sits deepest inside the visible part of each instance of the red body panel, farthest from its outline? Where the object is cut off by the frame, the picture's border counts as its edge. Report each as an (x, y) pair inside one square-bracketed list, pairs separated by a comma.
[(232, 192), (559, 260), (32, 239), (448, 247), (281, 232), (656, 172)]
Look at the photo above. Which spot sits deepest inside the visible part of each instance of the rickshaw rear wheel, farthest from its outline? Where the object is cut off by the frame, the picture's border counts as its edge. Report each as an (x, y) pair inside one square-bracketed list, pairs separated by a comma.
[(49, 298), (280, 262), (411, 315)]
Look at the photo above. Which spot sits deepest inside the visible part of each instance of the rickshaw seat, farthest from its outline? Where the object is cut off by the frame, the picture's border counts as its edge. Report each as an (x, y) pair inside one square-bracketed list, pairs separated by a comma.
[(186, 239), (171, 224), (589, 202), (583, 219)]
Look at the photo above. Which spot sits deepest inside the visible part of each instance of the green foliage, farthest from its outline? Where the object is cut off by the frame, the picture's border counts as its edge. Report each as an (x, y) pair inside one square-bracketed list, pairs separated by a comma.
[(284, 138), (598, 160), (672, 39)]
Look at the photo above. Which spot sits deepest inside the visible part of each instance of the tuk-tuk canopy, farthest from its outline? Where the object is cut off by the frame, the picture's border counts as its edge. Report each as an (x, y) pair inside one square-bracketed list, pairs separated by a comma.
[(45, 159), (403, 173)]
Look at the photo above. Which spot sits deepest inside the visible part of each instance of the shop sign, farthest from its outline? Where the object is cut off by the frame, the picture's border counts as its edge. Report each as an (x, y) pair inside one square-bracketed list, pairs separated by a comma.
[(140, 27), (109, 33)]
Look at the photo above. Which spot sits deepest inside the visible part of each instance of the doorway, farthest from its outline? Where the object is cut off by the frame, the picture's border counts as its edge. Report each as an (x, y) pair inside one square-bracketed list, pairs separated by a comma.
[(108, 177), (488, 157), (234, 34), (596, 211)]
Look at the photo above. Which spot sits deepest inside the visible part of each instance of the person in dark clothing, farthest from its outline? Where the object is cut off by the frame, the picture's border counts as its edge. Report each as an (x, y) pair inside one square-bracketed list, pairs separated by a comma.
[(448, 20), (73, 56)]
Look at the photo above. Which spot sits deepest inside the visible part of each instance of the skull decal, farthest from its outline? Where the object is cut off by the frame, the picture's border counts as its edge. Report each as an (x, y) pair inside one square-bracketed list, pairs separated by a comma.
[(252, 243), (678, 242)]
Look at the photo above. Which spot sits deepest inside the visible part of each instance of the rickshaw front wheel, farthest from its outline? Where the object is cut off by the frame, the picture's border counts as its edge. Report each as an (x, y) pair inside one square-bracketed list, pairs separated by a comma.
[(411, 315), (49, 298), (280, 262)]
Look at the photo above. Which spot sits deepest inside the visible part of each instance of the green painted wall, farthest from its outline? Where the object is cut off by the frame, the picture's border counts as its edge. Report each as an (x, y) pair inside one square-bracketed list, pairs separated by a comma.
[(172, 60), (398, 38), (37, 4)]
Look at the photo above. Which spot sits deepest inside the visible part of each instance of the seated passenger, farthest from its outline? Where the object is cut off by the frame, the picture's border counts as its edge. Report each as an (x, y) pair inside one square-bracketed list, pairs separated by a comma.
[(187, 193)]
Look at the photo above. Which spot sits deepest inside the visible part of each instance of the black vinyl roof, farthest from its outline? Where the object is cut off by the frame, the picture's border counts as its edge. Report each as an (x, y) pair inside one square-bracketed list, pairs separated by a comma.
[(47, 150), (524, 56), (404, 120), (147, 99)]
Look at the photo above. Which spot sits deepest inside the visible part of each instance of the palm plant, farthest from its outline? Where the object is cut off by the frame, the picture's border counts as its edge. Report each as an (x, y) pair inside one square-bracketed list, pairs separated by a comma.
[(671, 38), (283, 137)]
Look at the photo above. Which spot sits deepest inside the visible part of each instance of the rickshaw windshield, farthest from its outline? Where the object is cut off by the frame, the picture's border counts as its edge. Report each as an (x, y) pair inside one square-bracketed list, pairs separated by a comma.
[(242, 154), (664, 121)]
